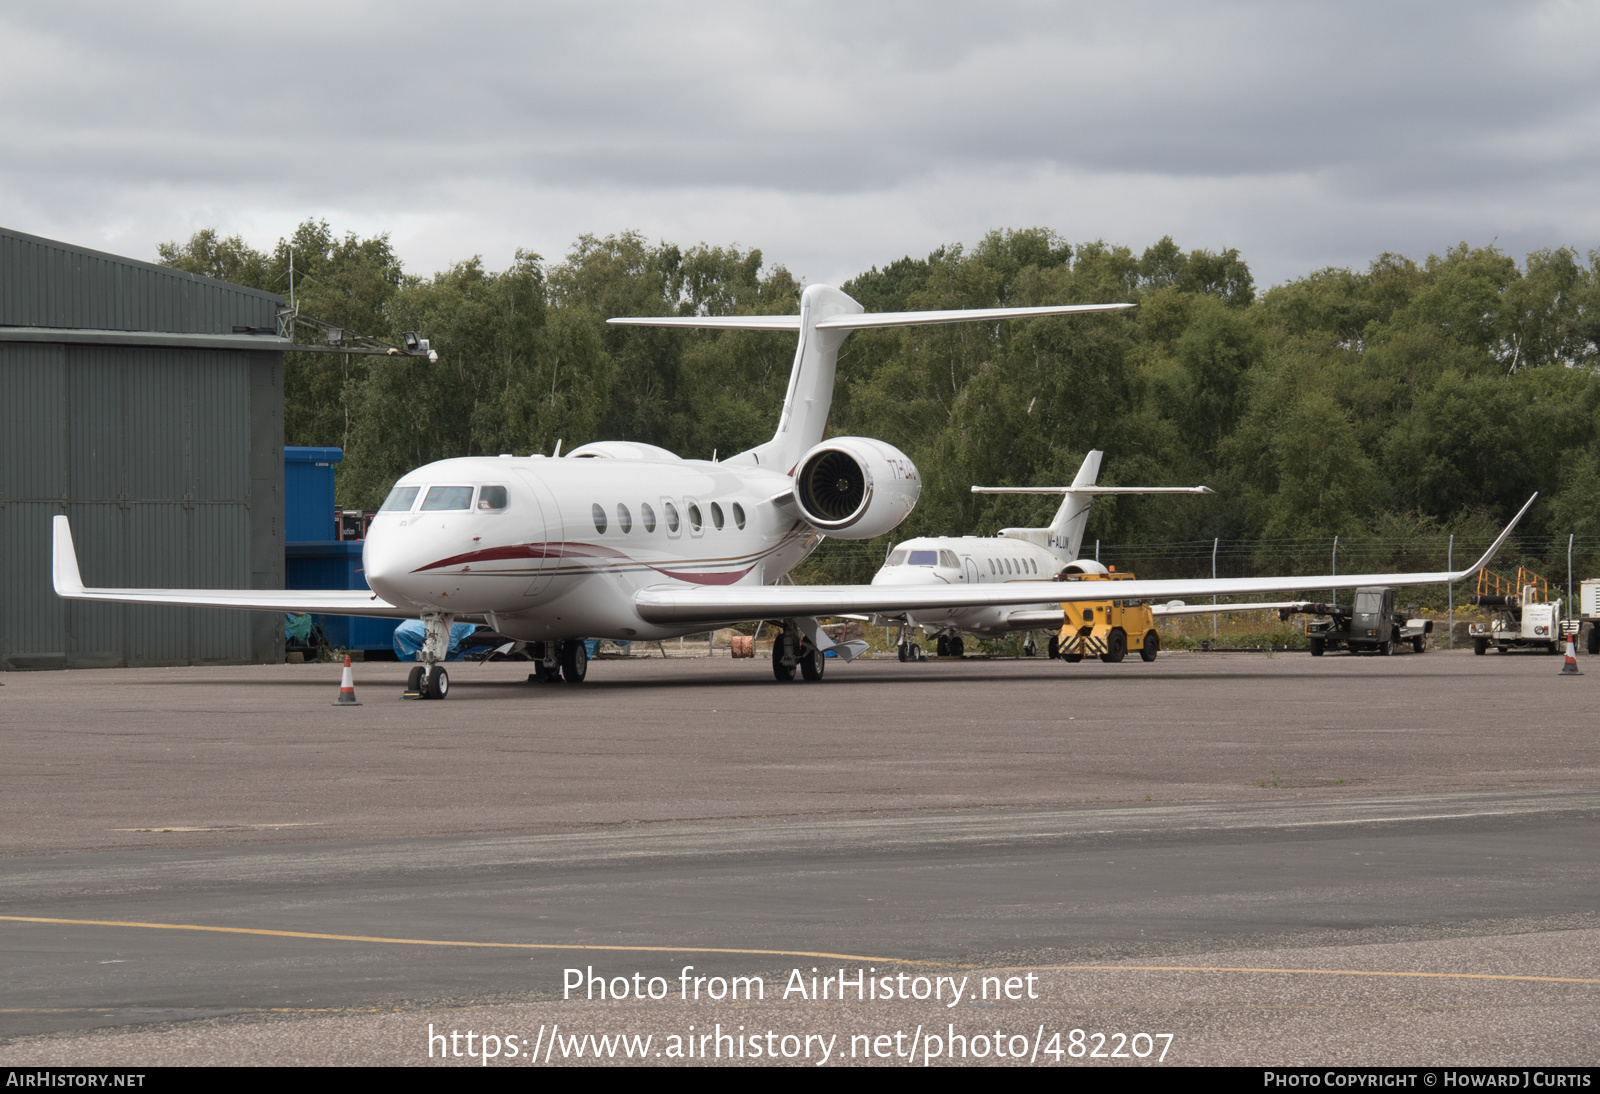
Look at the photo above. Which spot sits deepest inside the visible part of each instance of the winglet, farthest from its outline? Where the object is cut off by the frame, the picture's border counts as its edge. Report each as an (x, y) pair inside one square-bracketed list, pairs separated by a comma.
[(1487, 555), (64, 561)]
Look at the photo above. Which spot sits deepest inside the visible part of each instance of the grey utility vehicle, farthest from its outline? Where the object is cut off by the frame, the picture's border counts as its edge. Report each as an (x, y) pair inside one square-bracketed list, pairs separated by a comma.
[(1369, 625)]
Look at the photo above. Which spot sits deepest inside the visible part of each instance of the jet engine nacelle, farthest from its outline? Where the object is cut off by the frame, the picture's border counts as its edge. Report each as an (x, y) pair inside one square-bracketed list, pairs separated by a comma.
[(856, 487)]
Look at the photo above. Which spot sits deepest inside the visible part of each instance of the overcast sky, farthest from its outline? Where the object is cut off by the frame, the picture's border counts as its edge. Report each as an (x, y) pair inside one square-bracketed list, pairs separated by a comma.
[(832, 136)]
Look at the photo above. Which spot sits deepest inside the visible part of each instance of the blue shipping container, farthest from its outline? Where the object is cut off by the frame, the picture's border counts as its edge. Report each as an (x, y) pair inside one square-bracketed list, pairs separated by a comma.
[(308, 505)]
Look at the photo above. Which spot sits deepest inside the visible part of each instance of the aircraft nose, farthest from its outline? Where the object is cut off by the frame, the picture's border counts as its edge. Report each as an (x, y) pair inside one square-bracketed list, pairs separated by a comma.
[(383, 561)]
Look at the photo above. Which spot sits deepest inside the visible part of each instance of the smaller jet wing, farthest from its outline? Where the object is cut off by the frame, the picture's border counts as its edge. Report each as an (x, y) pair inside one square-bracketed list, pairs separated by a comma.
[(69, 586), (663, 604), (1028, 621)]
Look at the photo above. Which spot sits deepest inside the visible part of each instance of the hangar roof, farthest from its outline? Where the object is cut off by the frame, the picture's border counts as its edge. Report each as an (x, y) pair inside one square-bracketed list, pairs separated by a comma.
[(48, 284)]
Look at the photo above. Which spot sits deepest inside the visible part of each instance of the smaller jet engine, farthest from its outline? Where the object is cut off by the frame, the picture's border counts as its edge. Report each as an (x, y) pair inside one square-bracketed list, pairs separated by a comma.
[(856, 487)]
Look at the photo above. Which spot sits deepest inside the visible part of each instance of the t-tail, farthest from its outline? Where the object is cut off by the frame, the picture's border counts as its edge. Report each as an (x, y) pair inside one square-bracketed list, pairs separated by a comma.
[(1064, 536), (827, 316)]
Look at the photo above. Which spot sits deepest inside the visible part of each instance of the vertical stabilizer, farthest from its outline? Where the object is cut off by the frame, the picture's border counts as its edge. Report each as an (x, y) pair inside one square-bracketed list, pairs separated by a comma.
[(810, 395), (1066, 530)]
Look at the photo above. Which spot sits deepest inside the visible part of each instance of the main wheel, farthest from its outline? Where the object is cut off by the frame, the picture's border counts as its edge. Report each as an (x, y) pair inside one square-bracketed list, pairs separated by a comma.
[(438, 683), (1116, 647), (414, 681), (1054, 649), (574, 661), (1151, 647), (941, 646), (1419, 643), (780, 672), (812, 663), (1319, 646), (1480, 646), (956, 648)]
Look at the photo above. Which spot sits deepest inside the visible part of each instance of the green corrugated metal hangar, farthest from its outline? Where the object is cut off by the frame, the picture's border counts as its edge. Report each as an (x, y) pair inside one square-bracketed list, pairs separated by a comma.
[(146, 404)]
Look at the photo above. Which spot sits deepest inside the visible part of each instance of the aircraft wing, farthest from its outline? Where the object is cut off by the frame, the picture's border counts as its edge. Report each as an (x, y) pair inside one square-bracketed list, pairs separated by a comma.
[(69, 586), (1028, 621), (664, 604)]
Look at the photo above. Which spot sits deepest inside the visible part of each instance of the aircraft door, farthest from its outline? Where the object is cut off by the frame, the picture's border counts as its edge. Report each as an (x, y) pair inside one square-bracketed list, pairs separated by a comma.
[(970, 569), (540, 528)]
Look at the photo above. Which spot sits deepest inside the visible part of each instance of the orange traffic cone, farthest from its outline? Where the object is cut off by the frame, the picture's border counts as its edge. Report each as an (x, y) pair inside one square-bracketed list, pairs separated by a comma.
[(1569, 667), (347, 688)]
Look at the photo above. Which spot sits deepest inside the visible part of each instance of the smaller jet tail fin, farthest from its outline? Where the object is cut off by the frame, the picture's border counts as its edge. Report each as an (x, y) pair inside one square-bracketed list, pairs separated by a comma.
[(1064, 537)]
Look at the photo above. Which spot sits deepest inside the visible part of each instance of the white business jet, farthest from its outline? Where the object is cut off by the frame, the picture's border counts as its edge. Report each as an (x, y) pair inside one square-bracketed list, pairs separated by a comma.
[(628, 541), (1018, 555)]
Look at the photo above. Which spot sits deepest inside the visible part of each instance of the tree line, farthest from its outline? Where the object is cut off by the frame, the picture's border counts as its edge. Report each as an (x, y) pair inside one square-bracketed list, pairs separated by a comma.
[(1403, 402)]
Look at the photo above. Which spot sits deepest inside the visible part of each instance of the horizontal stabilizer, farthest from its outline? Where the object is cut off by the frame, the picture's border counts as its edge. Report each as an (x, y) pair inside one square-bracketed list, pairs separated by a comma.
[(713, 322), (858, 321), (1093, 490)]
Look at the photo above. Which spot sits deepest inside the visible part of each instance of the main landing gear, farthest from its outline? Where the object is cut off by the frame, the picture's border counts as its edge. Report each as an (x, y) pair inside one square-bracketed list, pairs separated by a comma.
[(792, 650), (949, 646), (567, 660)]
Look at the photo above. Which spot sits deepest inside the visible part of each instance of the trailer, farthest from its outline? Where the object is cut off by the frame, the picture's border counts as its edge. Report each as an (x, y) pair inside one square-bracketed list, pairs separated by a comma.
[(1525, 616), (1369, 624), (1588, 612), (1106, 629)]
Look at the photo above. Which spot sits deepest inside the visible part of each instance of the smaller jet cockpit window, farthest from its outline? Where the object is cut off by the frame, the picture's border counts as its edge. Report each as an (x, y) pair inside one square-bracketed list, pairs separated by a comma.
[(948, 560), (599, 515), (442, 499), (400, 499), (492, 497), (897, 558), (923, 558), (648, 515)]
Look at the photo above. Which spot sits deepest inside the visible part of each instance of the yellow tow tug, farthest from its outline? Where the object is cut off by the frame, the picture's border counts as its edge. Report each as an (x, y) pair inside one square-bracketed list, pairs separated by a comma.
[(1107, 629)]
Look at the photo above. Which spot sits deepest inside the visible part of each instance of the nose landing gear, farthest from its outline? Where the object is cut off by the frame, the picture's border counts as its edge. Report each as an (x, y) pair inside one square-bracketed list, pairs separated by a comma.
[(429, 680)]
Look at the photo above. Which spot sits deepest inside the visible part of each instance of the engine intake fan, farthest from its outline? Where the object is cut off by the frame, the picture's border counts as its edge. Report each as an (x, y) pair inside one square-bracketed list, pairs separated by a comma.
[(855, 488)]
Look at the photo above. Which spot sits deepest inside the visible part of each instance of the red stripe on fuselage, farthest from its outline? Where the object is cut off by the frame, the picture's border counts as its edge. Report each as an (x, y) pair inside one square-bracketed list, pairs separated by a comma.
[(576, 550)]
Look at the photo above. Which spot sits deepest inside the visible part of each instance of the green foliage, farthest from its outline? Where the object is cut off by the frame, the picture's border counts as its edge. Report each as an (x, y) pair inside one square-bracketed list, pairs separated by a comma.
[(1409, 399)]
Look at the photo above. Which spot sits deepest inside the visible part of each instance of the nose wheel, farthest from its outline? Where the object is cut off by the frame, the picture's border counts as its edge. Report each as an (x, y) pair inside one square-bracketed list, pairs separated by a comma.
[(429, 680)]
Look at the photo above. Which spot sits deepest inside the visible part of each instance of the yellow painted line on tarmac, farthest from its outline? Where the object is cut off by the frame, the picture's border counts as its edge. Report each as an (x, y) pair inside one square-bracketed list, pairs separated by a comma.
[(1304, 972), (457, 943)]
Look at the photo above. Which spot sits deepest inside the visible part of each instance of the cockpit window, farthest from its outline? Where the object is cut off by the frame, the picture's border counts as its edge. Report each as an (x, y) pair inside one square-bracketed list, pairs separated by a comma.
[(443, 498), (897, 558), (948, 559), (923, 558), (492, 497), (400, 499)]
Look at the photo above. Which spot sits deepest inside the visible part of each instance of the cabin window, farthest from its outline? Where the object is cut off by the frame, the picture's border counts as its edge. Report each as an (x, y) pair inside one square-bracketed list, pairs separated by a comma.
[(716, 516), (648, 515), (442, 499), (991, 565), (624, 518), (492, 497), (1033, 567), (738, 516), (923, 558), (1006, 562), (599, 515), (400, 499), (694, 517), (672, 517), (897, 558)]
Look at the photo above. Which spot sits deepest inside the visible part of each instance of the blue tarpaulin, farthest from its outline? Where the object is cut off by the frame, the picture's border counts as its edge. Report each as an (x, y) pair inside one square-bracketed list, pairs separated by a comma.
[(408, 637)]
